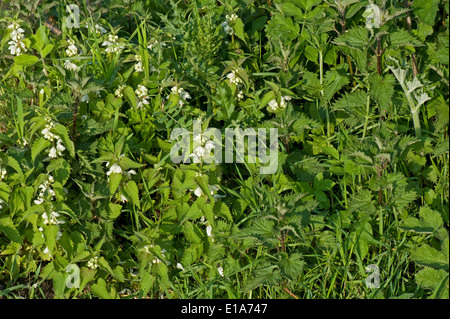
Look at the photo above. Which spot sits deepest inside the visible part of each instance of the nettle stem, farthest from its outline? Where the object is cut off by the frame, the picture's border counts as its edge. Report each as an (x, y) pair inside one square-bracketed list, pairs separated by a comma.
[(75, 114)]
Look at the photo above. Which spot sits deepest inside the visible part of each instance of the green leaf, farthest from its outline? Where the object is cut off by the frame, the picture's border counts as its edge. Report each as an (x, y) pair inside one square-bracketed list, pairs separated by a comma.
[(429, 222), (426, 255), (114, 181), (426, 10), (25, 60), (357, 37), (7, 227), (62, 132), (99, 289), (291, 266), (222, 210), (147, 282), (131, 191), (430, 278), (401, 38), (192, 232), (238, 28), (87, 275), (50, 233), (382, 90), (269, 96), (60, 170), (127, 163), (130, 96)]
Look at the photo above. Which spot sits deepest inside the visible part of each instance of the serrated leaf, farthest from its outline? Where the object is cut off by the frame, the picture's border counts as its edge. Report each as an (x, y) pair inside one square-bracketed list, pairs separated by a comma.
[(38, 146), (130, 96), (114, 181), (7, 227), (426, 10), (131, 191), (291, 266), (99, 289), (25, 59), (426, 255), (62, 132), (238, 28), (222, 210)]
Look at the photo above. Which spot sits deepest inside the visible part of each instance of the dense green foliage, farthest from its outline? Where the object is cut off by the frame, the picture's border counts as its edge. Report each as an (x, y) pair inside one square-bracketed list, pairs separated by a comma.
[(91, 204)]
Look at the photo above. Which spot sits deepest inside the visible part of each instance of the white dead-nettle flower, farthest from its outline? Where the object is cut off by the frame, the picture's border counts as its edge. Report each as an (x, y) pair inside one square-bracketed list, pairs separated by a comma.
[(52, 218), (115, 168), (16, 45), (227, 28), (123, 199), (93, 263), (130, 173), (234, 78), (69, 65), (220, 271), (142, 92), (54, 151), (182, 94), (231, 17), (274, 105), (2, 173), (180, 266), (209, 232), (205, 148), (112, 45), (118, 92), (42, 92), (240, 95), (154, 43), (212, 189), (156, 260), (138, 67), (47, 251), (72, 50), (1, 202), (99, 29), (85, 98)]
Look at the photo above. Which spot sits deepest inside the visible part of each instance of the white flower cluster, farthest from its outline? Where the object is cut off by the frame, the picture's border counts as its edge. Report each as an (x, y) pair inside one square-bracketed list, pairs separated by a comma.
[(141, 92), (220, 271), (2, 173), (72, 50), (93, 263), (69, 65), (212, 188), (154, 43), (182, 94), (240, 95), (226, 24), (233, 77), (138, 66), (203, 149), (274, 105), (52, 219), (115, 168), (45, 187), (118, 92), (16, 46), (112, 44), (54, 151), (99, 29)]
